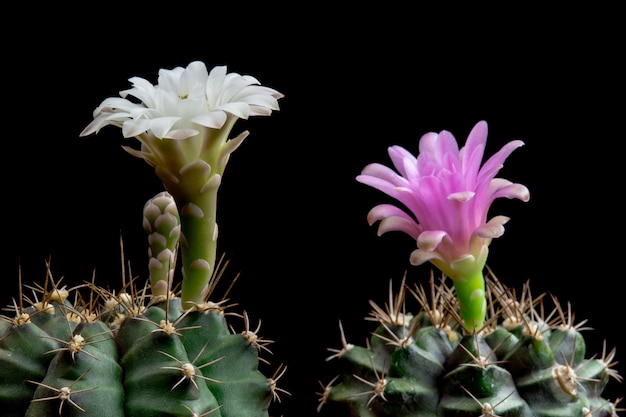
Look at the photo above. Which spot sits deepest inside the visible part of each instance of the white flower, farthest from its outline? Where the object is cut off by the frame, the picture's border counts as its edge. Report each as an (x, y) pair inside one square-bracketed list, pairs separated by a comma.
[(183, 124), (184, 100), (189, 105)]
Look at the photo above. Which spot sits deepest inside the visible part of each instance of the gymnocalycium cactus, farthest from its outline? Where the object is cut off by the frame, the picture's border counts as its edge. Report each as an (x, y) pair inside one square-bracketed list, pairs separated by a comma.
[(474, 349), (151, 350)]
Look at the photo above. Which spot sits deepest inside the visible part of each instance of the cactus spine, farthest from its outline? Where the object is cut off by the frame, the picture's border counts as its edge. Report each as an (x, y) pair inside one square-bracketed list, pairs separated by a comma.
[(519, 364), (134, 353)]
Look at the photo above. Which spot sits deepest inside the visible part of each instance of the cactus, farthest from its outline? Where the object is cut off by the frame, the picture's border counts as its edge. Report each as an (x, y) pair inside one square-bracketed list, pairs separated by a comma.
[(152, 350), (474, 348), (522, 363), (93, 352)]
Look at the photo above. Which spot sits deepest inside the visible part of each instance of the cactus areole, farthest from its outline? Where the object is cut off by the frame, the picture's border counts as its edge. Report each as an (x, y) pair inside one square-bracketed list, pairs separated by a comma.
[(90, 352), (528, 360), (151, 351), (474, 349)]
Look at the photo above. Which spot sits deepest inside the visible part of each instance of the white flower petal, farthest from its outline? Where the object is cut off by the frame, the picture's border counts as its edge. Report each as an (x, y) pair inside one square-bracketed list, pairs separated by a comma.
[(239, 109), (132, 128), (161, 126), (180, 134), (193, 108), (213, 119)]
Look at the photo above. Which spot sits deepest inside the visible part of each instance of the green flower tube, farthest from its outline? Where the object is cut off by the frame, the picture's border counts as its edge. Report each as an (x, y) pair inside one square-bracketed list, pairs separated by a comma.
[(447, 194), (183, 124)]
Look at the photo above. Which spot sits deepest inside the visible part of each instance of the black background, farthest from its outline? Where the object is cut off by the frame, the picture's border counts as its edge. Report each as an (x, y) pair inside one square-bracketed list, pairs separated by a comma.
[(291, 214)]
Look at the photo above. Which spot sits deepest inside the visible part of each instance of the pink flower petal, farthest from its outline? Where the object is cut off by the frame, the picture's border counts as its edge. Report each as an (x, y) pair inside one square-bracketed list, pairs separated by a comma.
[(447, 195)]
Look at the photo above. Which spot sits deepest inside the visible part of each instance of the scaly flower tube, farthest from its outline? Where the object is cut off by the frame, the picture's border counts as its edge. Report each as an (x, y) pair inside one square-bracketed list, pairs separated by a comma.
[(183, 124), (448, 195)]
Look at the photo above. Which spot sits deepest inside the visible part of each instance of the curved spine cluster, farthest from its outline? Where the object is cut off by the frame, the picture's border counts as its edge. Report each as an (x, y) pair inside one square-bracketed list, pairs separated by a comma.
[(521, 363), (127, 355)]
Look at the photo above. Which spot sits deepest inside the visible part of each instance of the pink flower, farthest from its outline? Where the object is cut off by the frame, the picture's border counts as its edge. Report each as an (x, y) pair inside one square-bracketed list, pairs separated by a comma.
[(448, 195)]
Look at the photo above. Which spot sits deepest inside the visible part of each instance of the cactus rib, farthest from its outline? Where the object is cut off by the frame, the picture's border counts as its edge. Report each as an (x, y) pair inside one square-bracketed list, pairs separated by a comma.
[(130, 354), (520, 363)]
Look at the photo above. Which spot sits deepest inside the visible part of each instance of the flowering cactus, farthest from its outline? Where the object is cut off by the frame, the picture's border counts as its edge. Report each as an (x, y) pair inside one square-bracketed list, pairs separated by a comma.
[(183, 124), (151, 351), (477, 349), (448, 194)]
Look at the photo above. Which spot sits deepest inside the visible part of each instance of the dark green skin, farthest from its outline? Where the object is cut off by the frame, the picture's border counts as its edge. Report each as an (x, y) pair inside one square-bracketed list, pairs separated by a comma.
[(230, 384), (93, 375), (134, 371), (24, 355), (439, 376)]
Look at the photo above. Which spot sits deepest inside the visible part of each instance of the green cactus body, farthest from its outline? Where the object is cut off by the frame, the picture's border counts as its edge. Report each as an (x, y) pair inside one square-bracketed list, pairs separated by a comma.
[(134, 354), (21, 359), (87, 370), (519, 364), (153, 351), (131, 360)]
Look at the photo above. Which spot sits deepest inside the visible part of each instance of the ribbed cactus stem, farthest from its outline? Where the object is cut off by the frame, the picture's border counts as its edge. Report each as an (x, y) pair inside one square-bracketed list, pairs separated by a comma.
[(525, 362), (472, 303), (162, 224), (116, 356)]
